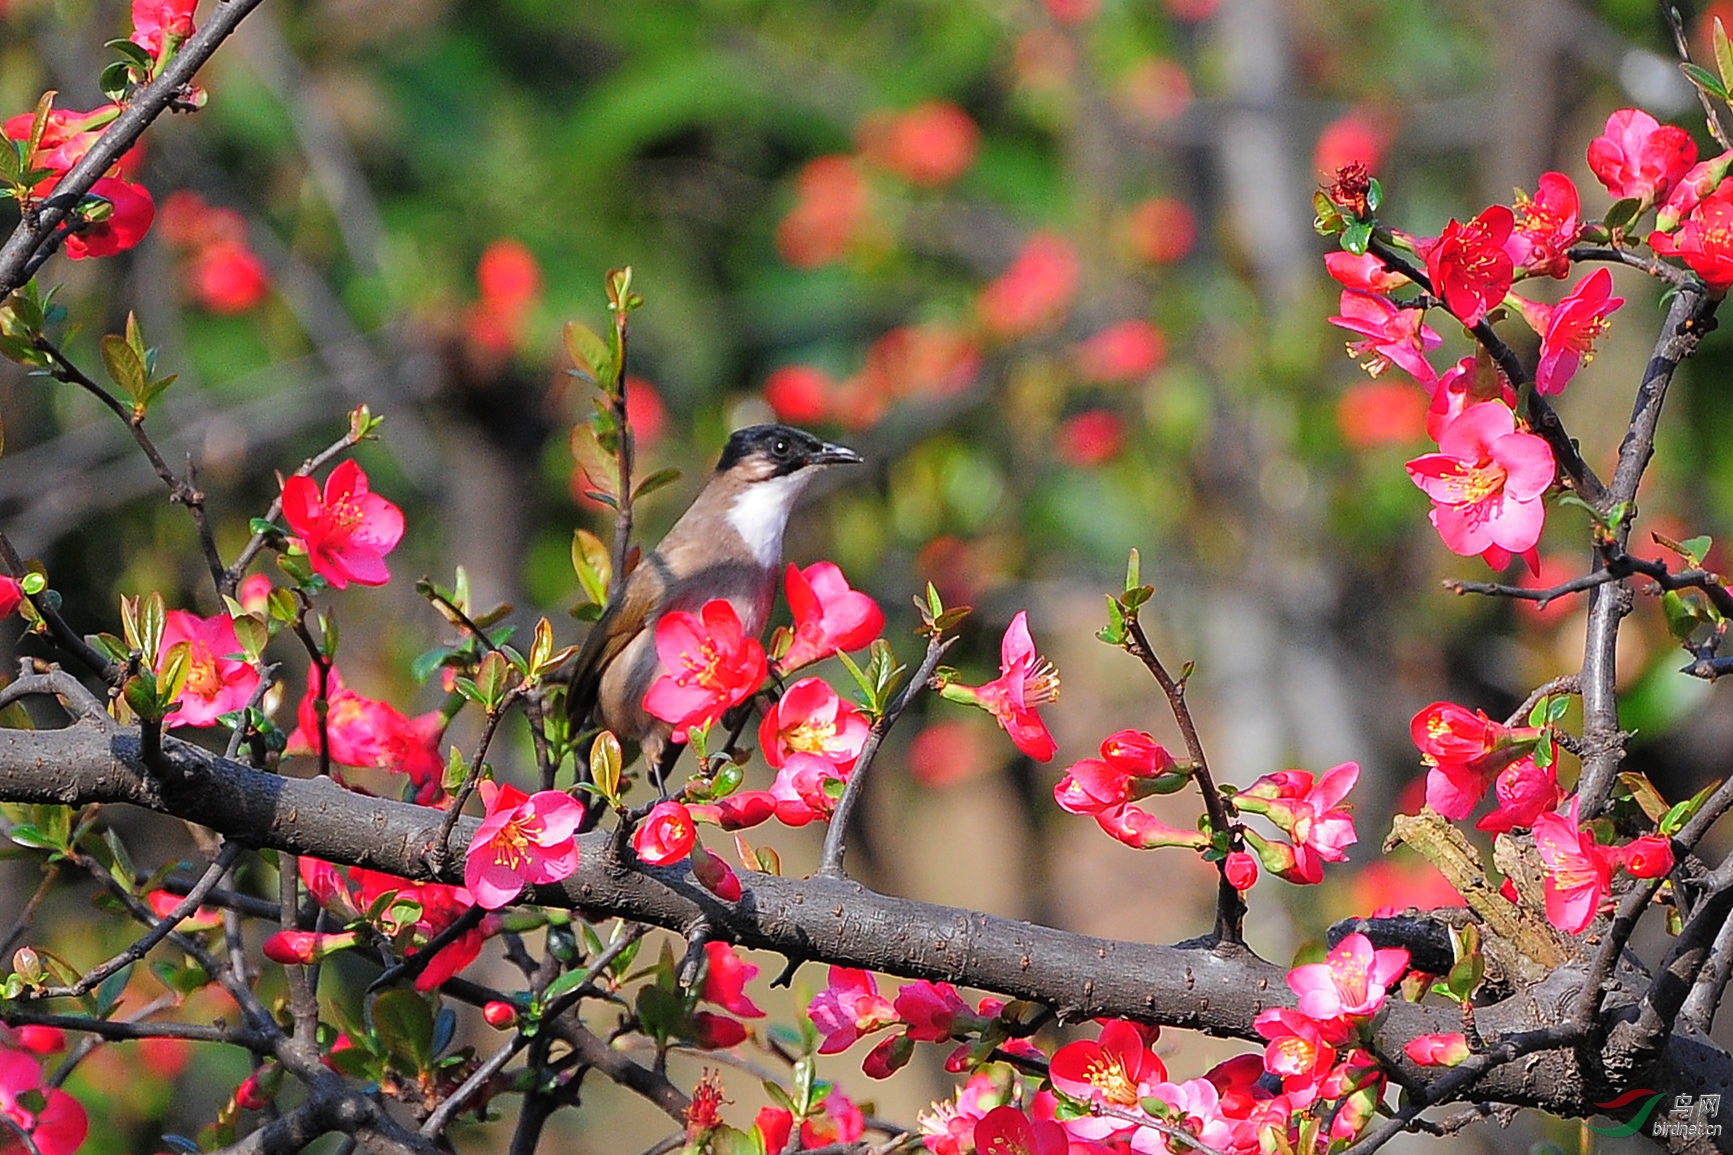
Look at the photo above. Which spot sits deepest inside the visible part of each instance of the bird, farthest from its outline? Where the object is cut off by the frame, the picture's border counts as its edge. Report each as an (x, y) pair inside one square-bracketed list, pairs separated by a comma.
[(728, 544)]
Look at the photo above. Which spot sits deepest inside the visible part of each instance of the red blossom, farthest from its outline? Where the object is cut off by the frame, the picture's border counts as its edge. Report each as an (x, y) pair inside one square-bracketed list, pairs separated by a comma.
[(1113, 1072), (1468, 382), (130, 215), (1704, 241), (931, 144), (1007, 1131), (11, 596), (710, 665), (1468, 266), (666, 835), (1638, 157), (1465, 750), (1547, 224), (725, 977), (1650, 856), (1036, 292), (346, 531), (828, 615), (715, 875), (1524, 790)]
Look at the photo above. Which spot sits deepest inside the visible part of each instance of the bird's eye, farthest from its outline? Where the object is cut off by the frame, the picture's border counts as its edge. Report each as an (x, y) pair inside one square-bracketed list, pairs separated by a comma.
[(780, 449)]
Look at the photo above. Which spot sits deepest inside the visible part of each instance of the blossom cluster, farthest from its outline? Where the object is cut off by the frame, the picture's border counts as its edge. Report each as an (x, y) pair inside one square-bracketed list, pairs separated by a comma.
[(1467, 753)]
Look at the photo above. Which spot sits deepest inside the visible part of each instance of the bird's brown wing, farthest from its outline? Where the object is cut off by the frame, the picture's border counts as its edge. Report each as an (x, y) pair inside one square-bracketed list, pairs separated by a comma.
[(621, 621)]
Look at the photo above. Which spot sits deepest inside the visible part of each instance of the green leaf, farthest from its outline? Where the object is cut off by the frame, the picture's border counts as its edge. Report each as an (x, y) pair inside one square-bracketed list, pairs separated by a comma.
[(590, 354), (592, 564), (1697, 548), (402, 1020), (566, 983), (456, 770), (108, 994), (605, 763), (1623, 213), (1357, 237), (1133, 572), (657, 480), (124, 365), (1682, 615), (1705, 80)]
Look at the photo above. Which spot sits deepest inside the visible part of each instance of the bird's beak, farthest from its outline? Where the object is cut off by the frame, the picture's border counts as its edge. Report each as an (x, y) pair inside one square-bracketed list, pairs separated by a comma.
[(832, 454)]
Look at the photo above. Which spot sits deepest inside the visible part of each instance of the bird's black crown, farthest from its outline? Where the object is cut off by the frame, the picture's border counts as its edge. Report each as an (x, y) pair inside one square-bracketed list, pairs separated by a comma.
[(789, 449)]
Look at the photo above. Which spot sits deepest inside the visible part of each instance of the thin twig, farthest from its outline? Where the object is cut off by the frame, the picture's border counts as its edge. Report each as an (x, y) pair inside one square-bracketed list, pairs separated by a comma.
[(830, 862), (1230, 905)]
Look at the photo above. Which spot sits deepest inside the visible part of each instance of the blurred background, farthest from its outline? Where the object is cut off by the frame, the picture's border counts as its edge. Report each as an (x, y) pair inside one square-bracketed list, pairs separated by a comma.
[(1049, 266)]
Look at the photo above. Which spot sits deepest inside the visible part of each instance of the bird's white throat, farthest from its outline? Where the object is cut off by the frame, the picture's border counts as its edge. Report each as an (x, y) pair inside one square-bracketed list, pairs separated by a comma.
[(759, 514)]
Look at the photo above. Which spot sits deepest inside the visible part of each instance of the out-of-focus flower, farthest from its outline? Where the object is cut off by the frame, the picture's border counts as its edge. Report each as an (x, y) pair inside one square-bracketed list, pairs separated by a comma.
[(1090, 438), (1122, 353), (799, 394), (830, 209), (1036, 292), (1374, 413), (1357, 136), (1160, 230), (931, 144)]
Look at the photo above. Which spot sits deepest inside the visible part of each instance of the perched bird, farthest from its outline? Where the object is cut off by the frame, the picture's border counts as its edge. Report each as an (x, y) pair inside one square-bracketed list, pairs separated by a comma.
[(728, 544)]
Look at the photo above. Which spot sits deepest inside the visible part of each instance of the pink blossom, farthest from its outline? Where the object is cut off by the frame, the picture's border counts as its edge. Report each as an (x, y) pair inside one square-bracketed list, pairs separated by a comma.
[(153, 21), (828, 615), (1486, 483), (54, 1120), (1122, 353), (523, 840), (1141, 830), (11, 596), (666, 835), (848, 1008), (710, 666), (1704, 241), (1307, 809), (347, 531), (1469, 382), (1351, 981), (218, 680), (931, 1010), (1362, 272), (1301, 1049), (1639, 157), (1578, 870), (1524, 791), (1194, 1107), (931, 144), (1241, 870), (1026, 681), (948, 1126), (1390, 335)]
